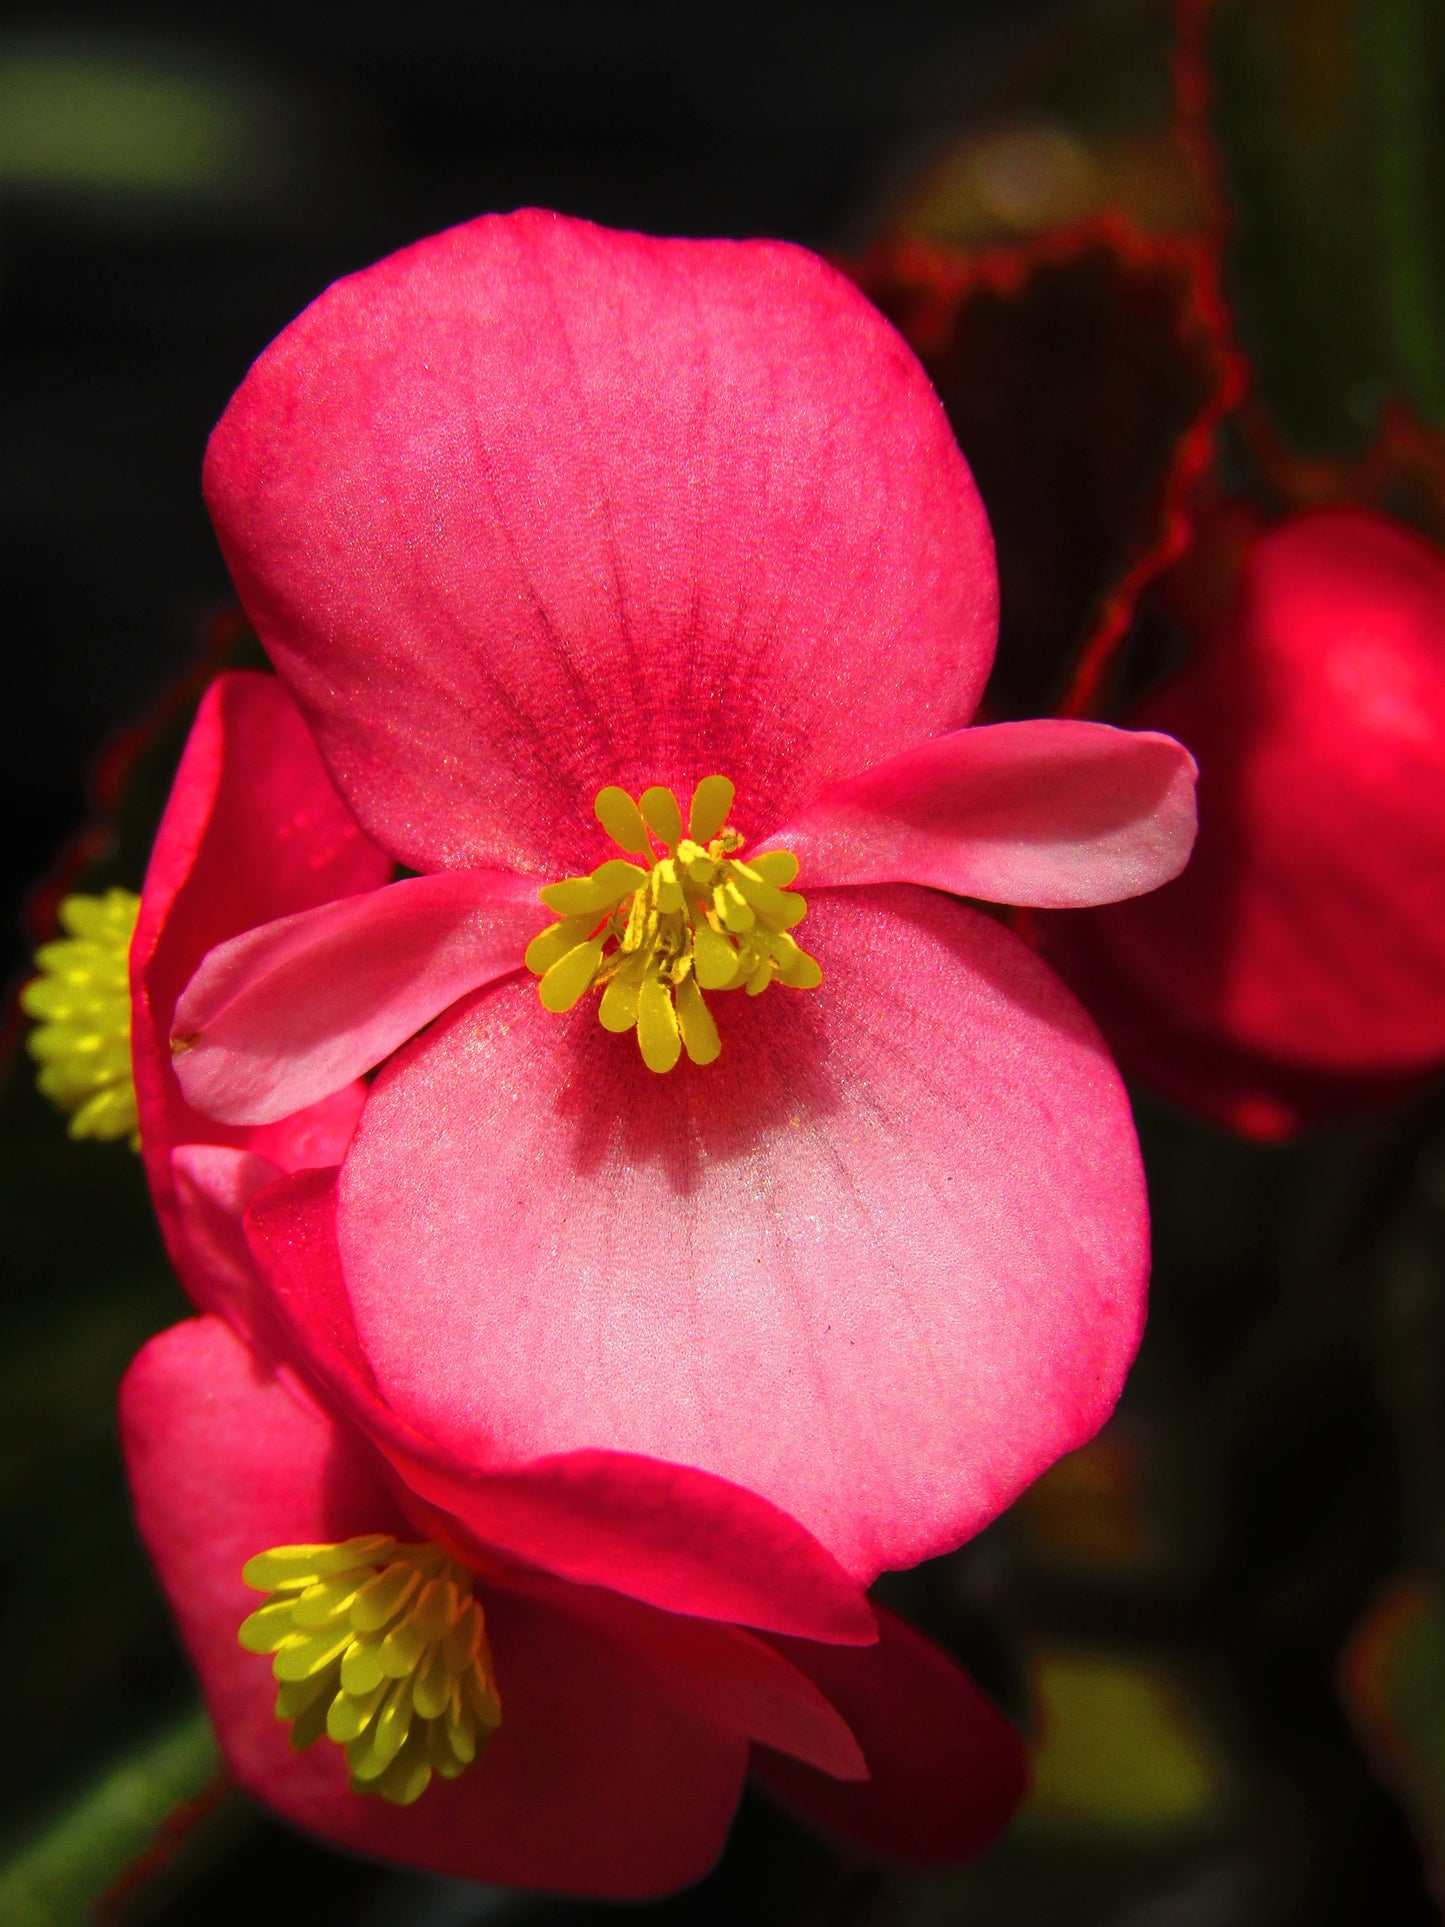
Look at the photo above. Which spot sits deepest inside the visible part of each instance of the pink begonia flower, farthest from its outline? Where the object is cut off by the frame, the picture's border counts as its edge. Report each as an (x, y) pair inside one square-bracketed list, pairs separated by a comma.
[(533, 519), (1298, 966), (625, 1730)]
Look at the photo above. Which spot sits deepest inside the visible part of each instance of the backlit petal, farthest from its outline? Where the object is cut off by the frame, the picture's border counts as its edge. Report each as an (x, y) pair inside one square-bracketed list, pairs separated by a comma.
[(667, 1534), (532, 508), (881, 1263)]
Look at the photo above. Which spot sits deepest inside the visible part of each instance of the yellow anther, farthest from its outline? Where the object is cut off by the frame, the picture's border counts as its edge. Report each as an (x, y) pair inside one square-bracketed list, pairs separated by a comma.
[(654, 935), (711, 801), (383, 1648), (622, 820), (81, 1003), (662, 816)]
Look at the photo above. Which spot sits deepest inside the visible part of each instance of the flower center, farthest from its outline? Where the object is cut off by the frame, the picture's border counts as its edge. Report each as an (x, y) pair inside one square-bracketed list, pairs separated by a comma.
[(655, 934), (81, 1001), (383, 1648)]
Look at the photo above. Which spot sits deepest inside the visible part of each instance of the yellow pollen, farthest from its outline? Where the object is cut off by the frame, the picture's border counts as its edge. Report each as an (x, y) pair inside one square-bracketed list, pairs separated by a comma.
[(383, 1648), (81, 1001), (689, 915)]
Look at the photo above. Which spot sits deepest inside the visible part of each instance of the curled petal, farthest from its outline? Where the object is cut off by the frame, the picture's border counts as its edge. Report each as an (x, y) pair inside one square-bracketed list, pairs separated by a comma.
[(254, 830), (945, 1768), (880, 1263), (596, 1781), (532, 509), (1048, 813), (283, 1015)]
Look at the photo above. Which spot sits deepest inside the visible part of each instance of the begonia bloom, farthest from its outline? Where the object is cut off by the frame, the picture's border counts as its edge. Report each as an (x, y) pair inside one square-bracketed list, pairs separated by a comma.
[(1298, 966), (625, 1731), (530, 515)]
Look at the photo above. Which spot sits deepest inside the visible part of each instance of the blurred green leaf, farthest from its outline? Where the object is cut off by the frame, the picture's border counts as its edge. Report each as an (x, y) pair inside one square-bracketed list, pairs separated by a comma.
[(1331, 115), (1121, 1748), (58, 1878), (1392, 1680)]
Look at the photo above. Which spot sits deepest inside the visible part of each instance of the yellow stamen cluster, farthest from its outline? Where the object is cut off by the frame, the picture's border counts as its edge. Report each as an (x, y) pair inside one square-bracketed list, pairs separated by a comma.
[(81, 1001), (382, 1647), (653, 935)]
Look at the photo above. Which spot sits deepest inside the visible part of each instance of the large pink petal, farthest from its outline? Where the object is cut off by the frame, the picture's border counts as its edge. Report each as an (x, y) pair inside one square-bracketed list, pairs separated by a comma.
[(595, 1783), (946, 1770), (666, 1534), (254, 829), (881, 1263), (1050, 813), (283, 1015), (532, 507)]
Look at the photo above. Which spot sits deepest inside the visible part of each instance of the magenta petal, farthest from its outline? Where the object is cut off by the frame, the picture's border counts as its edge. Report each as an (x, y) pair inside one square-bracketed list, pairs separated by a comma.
[(881, 1263), (254, 829), (596, 1782), (284, 1015), (946, 1769), (1048, 813), (665, 1534), (731, 1677), (532, 507), (213, 1185)]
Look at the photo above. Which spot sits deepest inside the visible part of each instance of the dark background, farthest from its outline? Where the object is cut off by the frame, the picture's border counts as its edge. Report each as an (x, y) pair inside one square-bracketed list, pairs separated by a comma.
[(175, 185)]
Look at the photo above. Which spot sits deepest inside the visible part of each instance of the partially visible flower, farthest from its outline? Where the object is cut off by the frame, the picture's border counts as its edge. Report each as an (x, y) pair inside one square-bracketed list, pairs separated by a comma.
[(554, 1675), (81, 1004), (1298, 965)]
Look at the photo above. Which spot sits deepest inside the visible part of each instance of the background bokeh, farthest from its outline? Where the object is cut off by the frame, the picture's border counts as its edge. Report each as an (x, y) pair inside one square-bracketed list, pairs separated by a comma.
[(1219, 1623)]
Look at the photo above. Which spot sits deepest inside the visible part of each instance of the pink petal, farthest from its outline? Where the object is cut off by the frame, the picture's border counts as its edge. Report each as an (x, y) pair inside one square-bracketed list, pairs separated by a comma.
[(880, 1264), (595, 1783), (946, 1769), (722, 1673), (666, 1534), (284, 1015), (253, 830), (1055, 814), (213, 1185), (531, 508)]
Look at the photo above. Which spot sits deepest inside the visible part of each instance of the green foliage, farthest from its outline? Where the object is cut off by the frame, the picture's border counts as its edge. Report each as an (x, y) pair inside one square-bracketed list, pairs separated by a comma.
[(57, 1878), (1331, 114)]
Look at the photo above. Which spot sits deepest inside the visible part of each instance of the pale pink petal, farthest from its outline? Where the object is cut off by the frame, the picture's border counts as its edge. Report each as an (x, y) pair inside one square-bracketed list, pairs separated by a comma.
[(596, 1782), (665, 1534), (1049, 813), (283, 1015), (531, 508), (881, 1263)]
